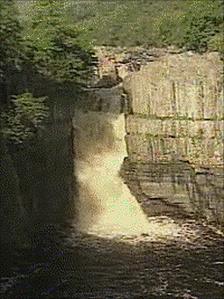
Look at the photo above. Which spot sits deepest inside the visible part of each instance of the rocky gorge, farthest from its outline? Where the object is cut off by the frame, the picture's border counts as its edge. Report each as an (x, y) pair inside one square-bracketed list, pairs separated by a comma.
[(173, 105), (148, 127), (172, 102)]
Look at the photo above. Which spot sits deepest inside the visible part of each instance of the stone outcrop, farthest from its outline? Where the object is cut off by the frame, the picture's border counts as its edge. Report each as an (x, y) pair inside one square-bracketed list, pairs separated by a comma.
[(117, 63), (175, 127), (177, 110)]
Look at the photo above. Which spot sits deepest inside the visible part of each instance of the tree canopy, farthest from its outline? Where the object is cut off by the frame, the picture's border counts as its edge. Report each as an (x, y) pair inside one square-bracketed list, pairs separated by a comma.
[(11, 40), (46, 43), (55, 47)]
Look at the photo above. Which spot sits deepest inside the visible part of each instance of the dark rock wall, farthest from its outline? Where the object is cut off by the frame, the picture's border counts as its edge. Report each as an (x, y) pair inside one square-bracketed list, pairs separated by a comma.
[(37, 182)]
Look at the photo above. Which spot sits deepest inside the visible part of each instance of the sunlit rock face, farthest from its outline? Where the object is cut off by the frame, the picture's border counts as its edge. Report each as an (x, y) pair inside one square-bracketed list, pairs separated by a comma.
[(177, 106), (176, 116)]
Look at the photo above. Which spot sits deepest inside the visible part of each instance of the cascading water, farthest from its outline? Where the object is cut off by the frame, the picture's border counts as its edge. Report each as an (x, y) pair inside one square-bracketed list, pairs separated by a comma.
[(106, 206)]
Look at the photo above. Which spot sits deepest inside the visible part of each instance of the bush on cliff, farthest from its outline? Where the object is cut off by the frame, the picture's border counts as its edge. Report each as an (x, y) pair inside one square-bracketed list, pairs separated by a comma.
[(25, 115), (11, 44), (10, 36), (43, 44), (204, 22)]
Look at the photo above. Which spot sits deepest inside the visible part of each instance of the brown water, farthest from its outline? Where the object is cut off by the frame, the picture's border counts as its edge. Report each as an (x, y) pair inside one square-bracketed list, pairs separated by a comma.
[(113, 250), (64, 263), (106, 206)]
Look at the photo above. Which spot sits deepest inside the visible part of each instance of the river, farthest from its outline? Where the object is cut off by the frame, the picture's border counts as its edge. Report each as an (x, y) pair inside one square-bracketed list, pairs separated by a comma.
[(113, 250), (64, 263)]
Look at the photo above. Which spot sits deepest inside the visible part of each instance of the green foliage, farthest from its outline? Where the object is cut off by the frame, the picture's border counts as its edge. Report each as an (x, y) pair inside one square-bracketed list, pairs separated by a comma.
[(54, 46), (204, 20), (47, 44), (190, 24), (23, 118), (216, 43), (11, 47), (56, 38)]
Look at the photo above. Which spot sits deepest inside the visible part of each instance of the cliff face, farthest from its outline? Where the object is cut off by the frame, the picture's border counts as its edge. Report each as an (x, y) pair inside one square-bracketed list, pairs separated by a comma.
[(177, 110), (175, 131), (174, 126)]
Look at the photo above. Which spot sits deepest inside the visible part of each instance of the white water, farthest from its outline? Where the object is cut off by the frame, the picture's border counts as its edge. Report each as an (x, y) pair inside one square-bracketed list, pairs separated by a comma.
[(106, 206)]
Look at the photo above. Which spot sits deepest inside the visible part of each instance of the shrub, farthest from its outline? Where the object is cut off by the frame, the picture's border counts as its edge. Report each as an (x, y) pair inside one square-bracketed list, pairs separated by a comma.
[(23, 118)]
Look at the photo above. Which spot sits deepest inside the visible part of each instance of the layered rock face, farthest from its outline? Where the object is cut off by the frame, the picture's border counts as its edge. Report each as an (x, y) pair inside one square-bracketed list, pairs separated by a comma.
[(175, 131), (173, 104), (177, 107)]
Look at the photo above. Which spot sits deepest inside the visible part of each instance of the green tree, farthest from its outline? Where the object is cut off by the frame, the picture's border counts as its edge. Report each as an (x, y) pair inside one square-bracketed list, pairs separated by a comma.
[(54, 45), (10, 37), (11, 44), (23, 118)]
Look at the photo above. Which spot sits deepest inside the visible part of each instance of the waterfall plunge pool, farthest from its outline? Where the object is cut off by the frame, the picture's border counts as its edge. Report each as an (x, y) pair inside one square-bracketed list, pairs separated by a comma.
[(113, 250)]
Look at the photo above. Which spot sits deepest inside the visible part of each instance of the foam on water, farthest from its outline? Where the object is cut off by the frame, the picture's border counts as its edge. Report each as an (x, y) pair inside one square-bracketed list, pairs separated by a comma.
[(106, 207)]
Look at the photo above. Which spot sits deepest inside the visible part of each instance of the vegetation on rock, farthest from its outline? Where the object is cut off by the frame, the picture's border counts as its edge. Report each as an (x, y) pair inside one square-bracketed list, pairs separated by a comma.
[(42, 44), (11, 41), (24, 117)]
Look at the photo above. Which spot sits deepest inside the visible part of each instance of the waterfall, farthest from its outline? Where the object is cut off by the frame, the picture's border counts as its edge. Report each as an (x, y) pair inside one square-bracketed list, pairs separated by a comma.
[(105, 205)]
